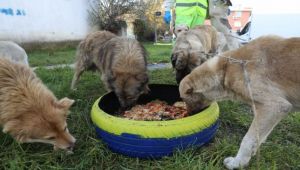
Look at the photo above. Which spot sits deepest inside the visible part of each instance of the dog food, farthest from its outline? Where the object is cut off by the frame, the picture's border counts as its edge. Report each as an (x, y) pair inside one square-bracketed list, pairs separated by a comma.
[(157, 110)]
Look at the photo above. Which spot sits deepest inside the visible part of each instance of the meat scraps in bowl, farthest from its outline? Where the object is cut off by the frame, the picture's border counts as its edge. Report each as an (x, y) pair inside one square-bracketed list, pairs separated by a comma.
[(157, 110)]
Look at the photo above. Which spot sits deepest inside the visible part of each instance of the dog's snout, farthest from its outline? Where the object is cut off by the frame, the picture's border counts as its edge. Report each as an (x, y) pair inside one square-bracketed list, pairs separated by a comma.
[(71, 146)]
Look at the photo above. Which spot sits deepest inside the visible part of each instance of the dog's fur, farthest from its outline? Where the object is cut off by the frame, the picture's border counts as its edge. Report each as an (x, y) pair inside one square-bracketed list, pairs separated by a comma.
[(13, 51), (273, 70), (29, 111), (121, 61), (193, 47)]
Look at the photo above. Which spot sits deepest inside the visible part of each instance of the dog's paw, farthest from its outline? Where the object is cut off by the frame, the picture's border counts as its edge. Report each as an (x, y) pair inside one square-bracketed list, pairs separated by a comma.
[(231, 163)]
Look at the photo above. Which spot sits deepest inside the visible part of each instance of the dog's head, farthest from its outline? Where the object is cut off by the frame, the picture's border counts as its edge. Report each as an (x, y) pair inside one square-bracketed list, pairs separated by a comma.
[(194, 99), (184, 61), (202, 86), (128, 87), (180, 29), (46, 125)]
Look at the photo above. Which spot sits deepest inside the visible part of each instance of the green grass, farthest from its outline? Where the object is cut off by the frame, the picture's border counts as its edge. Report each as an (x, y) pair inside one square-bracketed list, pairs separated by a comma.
[(157, 54), (281, 150), (51, 57)]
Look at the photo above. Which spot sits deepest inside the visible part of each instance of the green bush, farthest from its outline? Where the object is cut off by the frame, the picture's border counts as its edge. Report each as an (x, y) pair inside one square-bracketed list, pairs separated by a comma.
[(139, 29)]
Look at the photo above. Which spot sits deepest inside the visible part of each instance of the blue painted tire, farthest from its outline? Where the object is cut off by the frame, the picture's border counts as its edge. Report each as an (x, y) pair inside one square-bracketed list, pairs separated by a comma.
[(152, 139)]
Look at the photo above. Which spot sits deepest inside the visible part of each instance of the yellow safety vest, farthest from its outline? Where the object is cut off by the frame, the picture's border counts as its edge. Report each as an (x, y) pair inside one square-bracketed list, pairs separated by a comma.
[(190, 12)]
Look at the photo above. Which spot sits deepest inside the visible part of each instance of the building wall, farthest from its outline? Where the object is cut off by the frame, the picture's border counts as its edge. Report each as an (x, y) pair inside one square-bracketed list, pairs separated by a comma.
[(43, 20), (286, 25)]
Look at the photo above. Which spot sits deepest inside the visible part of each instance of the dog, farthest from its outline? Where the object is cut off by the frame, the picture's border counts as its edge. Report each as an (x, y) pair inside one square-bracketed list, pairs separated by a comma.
[(88, 51), (121, 61), (218, 15), (29, 111), (14, 52), (269, 65), (180, 29), (195, 46)]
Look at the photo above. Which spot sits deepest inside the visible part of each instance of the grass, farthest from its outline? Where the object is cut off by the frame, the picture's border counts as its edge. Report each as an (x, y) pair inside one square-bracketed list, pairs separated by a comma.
[(281, 150), (51, 57), (157, 54)]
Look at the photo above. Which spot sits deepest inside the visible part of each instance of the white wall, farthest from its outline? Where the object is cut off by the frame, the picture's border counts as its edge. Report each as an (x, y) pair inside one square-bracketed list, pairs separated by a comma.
[(273, 17), (285, 25), (43, 20)]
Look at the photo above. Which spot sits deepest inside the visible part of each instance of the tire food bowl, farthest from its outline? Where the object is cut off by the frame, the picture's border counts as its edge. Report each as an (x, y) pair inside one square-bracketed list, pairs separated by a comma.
[(152, 139)]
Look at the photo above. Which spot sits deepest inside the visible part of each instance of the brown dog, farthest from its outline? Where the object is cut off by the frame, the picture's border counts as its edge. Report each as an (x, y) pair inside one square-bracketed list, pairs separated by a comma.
[(195, 46), (29, 111), (88, 52), (273, 68), (121, 61)]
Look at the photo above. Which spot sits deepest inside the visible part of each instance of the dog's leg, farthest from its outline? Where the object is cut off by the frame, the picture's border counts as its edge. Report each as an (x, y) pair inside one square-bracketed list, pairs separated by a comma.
[(268, 116), (79, 69)]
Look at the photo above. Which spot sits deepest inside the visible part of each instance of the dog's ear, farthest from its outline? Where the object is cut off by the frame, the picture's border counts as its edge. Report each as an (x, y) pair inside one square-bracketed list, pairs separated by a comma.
[(144, 78), (173, 59), (196, 58), (65, 103), (182, 60)]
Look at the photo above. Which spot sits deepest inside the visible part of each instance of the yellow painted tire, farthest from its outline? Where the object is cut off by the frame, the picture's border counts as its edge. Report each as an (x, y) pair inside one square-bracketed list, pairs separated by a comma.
[(153, 138)]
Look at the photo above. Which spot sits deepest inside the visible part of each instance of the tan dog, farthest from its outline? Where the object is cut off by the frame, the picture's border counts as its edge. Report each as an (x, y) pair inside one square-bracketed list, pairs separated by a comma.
[(218, 16), (273, 70), (180, 29), (121, 61), (195, 46), (28, 109)]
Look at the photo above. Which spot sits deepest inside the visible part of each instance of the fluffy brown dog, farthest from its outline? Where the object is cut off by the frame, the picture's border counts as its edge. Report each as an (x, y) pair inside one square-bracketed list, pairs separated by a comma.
[(121, 61), (195, 46), (273, 70), (29, 111)]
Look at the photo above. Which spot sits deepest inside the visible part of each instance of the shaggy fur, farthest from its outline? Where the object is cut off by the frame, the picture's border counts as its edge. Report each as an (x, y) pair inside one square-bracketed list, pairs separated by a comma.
[(193, 47), (13, 51), (121, 61), (29, 111), (273, 70)]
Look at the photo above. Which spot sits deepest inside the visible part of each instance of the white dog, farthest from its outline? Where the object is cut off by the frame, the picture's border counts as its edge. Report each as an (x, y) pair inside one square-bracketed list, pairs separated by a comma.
[(14, 52)]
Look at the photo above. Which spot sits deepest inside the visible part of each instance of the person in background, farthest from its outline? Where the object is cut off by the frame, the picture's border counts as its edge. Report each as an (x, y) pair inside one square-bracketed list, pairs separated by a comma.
[(182, 15), (187, 14)]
